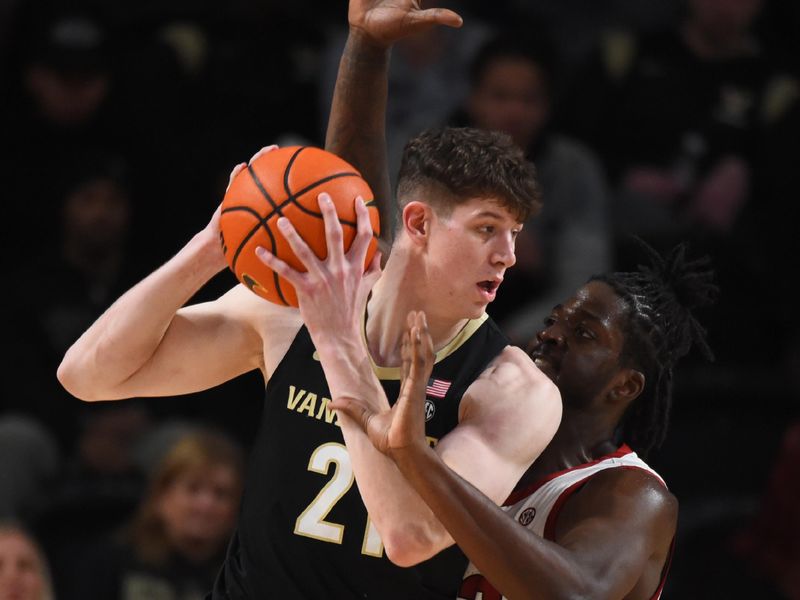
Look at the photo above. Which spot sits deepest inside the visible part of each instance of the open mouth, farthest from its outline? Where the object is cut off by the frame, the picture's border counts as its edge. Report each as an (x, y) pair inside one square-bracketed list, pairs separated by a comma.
[(489, 287), (546, 363)]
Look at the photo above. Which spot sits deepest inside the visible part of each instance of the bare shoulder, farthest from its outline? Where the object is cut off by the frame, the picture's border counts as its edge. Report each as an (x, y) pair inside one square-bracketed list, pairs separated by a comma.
[(630, 495), (244, 304), (513, 375), (273, 327), (518, 404)]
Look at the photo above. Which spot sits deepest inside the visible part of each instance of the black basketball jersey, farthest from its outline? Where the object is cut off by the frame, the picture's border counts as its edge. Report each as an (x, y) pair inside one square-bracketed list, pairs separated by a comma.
[(303, 530)]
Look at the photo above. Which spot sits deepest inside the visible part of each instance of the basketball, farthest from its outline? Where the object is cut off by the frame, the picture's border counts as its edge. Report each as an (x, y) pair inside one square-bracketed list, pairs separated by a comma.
[(286, 182)]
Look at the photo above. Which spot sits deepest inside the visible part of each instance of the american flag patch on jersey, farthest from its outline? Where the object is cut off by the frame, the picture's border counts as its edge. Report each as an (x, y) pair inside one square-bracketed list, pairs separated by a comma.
[(437, 388)]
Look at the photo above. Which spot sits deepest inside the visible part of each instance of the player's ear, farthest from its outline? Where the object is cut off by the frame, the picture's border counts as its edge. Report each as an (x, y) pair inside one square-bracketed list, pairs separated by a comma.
[(629, 385), (416, 221)]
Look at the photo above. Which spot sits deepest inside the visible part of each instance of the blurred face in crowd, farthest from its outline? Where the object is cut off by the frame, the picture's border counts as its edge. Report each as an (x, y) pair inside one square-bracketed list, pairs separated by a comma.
[(722, 19), (96, 214), (511, 96), (21, 570), (198, 509), (64, 98)]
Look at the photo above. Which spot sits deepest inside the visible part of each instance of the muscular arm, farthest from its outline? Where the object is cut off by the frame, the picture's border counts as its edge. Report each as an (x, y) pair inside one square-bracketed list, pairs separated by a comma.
[(145, 344), (508, 416), (607, 534), (357, 123)]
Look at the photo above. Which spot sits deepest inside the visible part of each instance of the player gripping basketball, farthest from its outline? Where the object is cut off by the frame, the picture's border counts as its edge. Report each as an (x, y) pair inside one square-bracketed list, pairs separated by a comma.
[(305, 531)]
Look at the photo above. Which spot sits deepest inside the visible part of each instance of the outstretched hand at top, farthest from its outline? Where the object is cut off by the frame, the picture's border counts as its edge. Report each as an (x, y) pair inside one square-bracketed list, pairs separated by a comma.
[(384, 22)]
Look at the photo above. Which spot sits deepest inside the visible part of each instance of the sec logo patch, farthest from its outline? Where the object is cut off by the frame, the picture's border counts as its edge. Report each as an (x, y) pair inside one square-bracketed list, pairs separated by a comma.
[(527, 515), (430, 409)]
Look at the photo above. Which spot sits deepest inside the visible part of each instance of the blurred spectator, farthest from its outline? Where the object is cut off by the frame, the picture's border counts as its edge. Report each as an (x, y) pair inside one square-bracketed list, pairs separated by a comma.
[(98, 488), (680, 119), (771, 544), (29, 461), (512, 83), (577, 25), (175, 544), (24, 573), (74, 277), (59, 103), (677, 117)]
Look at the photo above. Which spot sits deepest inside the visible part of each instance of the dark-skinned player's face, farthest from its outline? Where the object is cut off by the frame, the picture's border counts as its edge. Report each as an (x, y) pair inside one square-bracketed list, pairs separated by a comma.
[(580, 345)]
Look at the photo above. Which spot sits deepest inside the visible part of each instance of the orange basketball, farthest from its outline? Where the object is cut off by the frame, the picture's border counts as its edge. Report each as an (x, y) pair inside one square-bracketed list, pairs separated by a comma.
[(286, 182)]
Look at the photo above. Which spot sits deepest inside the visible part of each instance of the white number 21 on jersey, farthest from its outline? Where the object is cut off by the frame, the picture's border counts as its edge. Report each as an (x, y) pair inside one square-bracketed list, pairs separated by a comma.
[(311, 522)]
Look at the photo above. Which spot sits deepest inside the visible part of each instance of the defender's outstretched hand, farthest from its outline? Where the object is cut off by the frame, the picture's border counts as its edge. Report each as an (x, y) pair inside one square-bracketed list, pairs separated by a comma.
[(404, 424), (384, 22)]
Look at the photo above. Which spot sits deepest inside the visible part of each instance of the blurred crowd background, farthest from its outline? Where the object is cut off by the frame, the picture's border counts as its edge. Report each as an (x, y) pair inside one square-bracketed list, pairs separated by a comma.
[(120, 122)]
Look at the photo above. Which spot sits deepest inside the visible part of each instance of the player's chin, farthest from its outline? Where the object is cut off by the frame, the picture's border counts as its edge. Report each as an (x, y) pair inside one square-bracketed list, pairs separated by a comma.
[(476, 311)]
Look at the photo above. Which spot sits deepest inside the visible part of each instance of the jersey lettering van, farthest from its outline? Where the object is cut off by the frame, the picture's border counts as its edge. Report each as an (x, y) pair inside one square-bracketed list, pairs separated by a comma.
[(311, 405)]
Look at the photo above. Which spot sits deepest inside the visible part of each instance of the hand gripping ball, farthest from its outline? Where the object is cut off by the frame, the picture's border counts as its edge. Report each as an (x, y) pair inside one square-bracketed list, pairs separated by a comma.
[(286, 182)]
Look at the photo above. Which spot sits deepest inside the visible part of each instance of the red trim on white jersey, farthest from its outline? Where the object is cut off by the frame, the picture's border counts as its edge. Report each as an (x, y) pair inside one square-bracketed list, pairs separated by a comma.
[(538, 505)]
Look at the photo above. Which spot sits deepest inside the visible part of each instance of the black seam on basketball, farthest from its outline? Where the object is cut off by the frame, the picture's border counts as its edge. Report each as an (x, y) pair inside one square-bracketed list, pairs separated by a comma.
[(292, 197), (261, 223), (264, 192), (289, 168), (257, 215), (242, 207)]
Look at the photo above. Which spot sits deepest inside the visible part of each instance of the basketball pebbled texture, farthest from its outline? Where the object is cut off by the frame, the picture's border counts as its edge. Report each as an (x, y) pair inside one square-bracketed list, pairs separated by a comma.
[(286, 182)]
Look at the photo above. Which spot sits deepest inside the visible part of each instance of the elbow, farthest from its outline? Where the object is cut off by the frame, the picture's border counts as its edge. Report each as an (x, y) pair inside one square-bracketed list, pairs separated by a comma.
[(582, 589), (410, 546), (71, 379)]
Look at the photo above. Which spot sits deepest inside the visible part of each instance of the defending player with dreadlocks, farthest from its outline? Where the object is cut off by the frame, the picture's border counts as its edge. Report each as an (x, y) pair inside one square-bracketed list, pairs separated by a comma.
[(611, 350)]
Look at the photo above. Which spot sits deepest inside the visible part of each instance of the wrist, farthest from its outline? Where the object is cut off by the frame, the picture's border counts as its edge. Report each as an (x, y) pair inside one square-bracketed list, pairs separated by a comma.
[(369, 47), (411, 458), (206, 254)]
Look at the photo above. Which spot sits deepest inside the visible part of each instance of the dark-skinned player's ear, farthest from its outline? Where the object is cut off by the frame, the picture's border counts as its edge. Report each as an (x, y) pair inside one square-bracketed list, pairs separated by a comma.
[(630, 387)]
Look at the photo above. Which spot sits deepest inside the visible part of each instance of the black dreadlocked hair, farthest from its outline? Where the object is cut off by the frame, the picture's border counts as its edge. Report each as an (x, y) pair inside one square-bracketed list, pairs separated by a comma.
[(660, 329)]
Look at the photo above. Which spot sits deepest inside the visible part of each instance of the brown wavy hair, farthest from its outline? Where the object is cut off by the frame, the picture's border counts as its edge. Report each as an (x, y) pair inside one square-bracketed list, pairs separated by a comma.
[(453, 165), (194, 451)]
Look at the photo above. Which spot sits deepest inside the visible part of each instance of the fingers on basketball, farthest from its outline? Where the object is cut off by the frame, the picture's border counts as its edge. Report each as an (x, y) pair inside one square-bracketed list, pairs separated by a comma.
[(287, 182)]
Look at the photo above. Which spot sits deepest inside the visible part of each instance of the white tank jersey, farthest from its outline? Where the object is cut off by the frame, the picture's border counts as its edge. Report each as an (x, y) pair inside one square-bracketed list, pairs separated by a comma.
[(537, 507)]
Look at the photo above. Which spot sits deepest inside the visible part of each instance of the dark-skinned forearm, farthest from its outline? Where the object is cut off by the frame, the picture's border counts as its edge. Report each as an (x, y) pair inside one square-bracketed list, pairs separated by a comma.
[(516, 561), (357, 123)]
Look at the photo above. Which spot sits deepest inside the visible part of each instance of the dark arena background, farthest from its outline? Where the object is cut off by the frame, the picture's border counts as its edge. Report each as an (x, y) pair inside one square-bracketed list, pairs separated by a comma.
[(663, 119)]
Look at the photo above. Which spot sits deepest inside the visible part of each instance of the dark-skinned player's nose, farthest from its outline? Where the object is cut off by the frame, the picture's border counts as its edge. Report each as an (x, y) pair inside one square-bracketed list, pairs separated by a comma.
[(551, 334)]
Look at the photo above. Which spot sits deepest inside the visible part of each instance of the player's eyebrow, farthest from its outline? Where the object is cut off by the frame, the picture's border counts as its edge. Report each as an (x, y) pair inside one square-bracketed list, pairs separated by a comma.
[(489, 213)]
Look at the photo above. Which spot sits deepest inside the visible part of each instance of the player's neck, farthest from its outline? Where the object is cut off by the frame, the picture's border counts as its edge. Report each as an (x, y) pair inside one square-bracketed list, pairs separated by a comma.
[(582, 437), (400, 290)]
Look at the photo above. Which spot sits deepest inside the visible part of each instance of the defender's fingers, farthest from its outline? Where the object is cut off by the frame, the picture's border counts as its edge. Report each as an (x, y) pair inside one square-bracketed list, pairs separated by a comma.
[(405, 353), (427, 340), (352, 409), (422, 348), (435, 16), (333, 228)]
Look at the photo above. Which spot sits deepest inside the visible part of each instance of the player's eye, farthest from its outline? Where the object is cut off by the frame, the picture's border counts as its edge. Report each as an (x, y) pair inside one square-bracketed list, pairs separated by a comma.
[(585, 332)]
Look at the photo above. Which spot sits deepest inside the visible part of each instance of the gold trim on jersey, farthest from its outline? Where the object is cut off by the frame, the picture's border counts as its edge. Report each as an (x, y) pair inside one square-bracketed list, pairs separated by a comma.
[(388, 373)]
